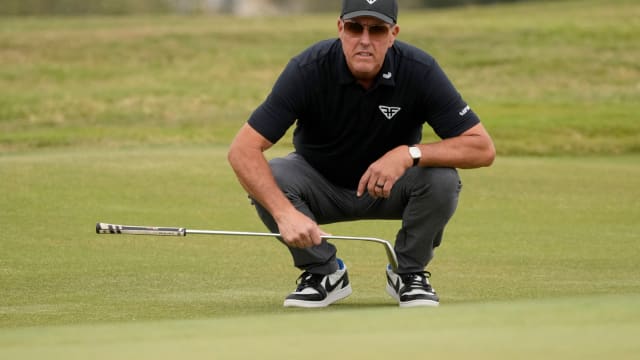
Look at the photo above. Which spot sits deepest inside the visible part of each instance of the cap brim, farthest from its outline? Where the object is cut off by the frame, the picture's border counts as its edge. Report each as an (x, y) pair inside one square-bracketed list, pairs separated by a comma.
[(374, 14)]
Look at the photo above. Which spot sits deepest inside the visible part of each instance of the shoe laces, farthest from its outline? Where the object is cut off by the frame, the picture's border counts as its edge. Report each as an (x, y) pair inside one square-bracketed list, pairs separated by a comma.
[(307, 279), (417, 280)]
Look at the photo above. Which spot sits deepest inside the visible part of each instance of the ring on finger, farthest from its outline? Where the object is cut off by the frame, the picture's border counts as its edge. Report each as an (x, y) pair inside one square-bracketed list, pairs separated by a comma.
[(380, 185)]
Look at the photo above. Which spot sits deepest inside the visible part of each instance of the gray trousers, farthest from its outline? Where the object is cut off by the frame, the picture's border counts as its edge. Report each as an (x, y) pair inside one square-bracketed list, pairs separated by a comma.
[(423, 198)]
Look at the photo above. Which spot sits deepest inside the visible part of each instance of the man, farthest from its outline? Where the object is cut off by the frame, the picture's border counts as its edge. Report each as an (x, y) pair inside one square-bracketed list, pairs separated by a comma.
[(359, 103)]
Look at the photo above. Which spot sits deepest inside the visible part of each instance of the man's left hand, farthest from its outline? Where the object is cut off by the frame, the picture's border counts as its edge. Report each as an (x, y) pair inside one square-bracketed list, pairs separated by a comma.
[(381, 175)]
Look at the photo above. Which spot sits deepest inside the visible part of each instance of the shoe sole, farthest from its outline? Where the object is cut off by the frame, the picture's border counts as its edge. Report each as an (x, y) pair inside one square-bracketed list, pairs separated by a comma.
[(330, 299), (419, 303), (408, 304)]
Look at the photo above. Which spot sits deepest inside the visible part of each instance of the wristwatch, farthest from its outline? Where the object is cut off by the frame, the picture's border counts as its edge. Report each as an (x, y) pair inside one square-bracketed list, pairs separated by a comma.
[(416, 154)]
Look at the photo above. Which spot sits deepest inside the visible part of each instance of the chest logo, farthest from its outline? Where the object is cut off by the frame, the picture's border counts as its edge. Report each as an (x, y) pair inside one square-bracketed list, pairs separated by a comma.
[(389, 111), (371, 1)]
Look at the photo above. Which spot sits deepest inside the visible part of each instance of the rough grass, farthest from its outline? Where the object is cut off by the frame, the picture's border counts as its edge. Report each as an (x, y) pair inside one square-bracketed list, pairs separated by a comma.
[(547, 78)]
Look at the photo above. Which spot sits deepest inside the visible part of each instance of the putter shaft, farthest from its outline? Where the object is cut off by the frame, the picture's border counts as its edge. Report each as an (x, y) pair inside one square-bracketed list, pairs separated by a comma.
[(105, 228)]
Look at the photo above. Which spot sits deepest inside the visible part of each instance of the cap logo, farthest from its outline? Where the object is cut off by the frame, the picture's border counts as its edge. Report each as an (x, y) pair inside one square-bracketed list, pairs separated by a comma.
[(385, 10)]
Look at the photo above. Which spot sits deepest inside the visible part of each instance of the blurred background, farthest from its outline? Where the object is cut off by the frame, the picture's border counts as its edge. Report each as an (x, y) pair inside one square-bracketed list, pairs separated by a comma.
[(238, 7), (549, 77)]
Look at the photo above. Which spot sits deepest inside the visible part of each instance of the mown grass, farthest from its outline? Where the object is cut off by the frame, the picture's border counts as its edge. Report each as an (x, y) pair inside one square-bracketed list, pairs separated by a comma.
[(540, 259), (547, 78), (568, 328), (526, 228)]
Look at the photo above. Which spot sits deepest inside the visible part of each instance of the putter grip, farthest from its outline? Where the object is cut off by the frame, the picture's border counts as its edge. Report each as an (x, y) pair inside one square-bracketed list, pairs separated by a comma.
[(103, 228)]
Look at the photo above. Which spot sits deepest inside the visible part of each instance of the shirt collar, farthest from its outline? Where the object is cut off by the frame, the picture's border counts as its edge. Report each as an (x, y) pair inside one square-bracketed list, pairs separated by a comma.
[(387, 74)]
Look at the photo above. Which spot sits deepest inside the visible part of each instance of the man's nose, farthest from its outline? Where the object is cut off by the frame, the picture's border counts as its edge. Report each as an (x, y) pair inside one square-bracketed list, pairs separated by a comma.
[(365, 38)]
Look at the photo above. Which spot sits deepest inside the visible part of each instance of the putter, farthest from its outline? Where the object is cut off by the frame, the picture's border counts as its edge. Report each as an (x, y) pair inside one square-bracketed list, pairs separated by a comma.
[(104, 228)]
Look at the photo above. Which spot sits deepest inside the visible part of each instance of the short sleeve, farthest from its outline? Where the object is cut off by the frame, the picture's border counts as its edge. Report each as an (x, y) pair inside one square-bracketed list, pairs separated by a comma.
[(446, 112), (282, 106)]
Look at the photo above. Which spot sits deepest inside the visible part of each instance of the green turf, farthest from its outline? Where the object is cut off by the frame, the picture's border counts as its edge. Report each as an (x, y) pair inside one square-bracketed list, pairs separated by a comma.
[(540, 260), (566, 328)]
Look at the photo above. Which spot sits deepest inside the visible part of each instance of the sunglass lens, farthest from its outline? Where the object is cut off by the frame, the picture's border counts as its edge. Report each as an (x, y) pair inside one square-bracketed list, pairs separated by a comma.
[(357, 29), (353, 28), (378, 30)]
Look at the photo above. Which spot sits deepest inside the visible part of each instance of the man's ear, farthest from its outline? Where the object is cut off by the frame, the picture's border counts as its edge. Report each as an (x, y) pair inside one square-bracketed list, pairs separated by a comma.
[(394, 34)]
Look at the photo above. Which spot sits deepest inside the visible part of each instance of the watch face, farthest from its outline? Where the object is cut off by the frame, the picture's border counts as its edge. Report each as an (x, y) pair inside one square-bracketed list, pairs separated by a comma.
[(415, 152)]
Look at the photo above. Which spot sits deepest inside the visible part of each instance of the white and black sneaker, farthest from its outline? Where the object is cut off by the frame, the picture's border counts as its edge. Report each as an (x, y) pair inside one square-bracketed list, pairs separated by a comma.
[(411, 290), (316, 290)]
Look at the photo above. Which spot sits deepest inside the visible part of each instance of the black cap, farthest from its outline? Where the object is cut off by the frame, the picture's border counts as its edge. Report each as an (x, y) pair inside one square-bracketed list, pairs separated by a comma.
[(385, 10)]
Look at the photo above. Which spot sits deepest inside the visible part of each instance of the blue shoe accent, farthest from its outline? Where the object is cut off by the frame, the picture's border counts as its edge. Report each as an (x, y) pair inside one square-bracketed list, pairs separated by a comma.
[(340, 263)]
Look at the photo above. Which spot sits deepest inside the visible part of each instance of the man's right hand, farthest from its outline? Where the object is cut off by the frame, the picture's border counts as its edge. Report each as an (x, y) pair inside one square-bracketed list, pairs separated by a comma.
[(298, 230)]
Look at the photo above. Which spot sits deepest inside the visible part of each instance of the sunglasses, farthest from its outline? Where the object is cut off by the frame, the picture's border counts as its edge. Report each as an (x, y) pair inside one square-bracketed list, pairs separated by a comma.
[(356, 29)]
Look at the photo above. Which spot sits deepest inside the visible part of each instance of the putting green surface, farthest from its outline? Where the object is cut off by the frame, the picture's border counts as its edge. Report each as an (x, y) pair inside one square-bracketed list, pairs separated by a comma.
[(539, 261), (587, 327)]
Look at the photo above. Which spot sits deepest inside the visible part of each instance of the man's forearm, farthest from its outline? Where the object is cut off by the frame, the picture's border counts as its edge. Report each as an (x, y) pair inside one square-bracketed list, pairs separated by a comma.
[(254, 174), (472, 149)]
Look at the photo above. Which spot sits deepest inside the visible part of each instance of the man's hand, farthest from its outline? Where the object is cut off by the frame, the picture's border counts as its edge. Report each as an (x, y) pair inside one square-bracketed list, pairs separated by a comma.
[(380, 177), (298, 230)]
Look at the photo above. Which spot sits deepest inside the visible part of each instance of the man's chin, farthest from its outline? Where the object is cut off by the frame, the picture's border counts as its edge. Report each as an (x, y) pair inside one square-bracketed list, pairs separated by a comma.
[(365, 72)]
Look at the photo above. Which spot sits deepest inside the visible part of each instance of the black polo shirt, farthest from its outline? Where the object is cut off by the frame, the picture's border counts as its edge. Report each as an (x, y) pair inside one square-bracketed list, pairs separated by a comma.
[(342, 128)]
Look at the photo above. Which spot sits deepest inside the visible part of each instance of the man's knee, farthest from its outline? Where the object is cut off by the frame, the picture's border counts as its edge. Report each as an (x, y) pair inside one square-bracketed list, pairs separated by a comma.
[(291, 175), (439, 184), (289, 172), (280, 168), (445, 180)]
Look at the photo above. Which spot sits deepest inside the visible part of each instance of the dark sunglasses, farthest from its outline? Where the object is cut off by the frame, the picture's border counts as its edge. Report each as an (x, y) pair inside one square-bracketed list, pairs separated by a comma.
[(356, 29)]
